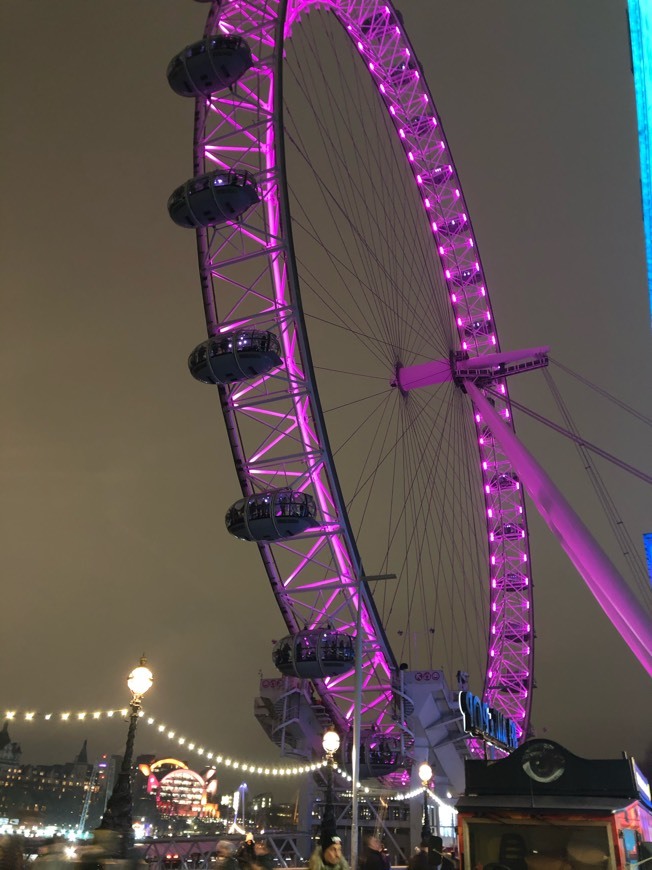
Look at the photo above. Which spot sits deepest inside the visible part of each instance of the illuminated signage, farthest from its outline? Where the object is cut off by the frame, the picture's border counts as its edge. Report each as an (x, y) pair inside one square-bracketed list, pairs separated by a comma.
[(482, 720)]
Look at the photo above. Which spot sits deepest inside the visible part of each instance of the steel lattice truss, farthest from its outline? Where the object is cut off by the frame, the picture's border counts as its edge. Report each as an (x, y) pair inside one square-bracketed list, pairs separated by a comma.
[(274, 422)]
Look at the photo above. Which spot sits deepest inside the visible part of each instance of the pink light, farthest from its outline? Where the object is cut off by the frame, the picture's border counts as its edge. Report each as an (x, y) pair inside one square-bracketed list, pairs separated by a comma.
[(457, 193), (448, 274), (484, 465), (490, 512), (420, 181), (401, 133), (478, 418), (392, 110), (442, 250), (470, 241), (493, 560), (493, 607), (492, 652), (493, 339), (382, 89), (371, 66), (426, 202), (410, 156), (487, 489), (483, 292), (453, 297), (459, 321), (493, 586)]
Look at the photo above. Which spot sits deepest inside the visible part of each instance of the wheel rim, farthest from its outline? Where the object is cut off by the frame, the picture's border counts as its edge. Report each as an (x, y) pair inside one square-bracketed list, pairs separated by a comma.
[(275, 422)]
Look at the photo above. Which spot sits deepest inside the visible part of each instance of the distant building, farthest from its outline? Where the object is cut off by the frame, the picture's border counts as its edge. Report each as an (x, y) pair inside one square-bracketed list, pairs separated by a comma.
[(46, 794)]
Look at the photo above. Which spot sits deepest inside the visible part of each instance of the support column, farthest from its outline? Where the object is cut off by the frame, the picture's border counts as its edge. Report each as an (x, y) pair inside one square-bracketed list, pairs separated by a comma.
[(600, 575)]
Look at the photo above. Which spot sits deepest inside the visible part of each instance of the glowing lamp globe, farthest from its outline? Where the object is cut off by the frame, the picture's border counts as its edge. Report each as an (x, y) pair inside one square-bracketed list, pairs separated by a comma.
[(425, 772), (140, 679), (331, 741)]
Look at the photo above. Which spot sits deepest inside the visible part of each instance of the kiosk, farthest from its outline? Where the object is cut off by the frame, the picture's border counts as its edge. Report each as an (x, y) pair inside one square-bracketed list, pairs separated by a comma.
[(543, 808)]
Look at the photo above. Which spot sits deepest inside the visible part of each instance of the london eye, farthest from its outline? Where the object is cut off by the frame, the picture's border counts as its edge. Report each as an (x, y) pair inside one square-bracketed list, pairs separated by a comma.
[(345, 305)]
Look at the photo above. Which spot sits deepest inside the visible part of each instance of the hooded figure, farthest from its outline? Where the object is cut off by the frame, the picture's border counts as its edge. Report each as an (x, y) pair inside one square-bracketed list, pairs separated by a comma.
[(328, 855)]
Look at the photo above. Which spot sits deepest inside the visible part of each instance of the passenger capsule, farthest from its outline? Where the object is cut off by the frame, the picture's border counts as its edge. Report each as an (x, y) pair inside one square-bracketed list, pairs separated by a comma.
[(209, 66), (314, 653), (271, 516), (379, 756), (235, 356), (213, 199)]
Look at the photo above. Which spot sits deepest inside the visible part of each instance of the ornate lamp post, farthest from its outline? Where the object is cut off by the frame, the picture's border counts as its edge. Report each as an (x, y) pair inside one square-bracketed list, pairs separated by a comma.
[(117, 816), (425, 775), (330, 743)]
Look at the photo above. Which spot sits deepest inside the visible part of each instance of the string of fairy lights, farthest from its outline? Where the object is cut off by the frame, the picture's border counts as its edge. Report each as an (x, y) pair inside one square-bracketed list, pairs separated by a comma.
[(212, 756)]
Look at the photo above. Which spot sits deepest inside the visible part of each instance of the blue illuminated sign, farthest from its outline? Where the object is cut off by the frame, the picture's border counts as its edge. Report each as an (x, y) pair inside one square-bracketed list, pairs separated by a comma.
[(647, 543), (484, 721), (640, 28)]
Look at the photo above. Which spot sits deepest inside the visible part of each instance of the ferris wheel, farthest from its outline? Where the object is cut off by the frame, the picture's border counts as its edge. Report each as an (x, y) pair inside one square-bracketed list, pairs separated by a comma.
[(346, 306)]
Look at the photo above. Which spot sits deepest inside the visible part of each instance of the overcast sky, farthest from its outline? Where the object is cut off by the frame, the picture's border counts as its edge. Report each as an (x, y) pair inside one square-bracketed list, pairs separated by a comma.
[(115, 469)]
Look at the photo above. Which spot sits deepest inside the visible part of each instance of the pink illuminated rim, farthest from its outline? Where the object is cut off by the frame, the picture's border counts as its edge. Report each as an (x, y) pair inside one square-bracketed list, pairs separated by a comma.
[(274, 423)]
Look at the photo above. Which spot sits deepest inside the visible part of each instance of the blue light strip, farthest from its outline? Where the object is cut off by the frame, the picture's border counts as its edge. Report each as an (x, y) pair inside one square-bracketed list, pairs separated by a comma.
[(640, 27), (647, 541)]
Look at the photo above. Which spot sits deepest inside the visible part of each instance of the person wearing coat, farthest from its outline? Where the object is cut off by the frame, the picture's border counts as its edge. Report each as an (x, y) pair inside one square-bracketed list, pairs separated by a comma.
[(328, 854)]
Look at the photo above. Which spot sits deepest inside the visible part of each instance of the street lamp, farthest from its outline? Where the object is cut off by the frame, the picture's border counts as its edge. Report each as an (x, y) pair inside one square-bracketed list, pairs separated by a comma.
[(330, 743), (117, 816), (425, 775)]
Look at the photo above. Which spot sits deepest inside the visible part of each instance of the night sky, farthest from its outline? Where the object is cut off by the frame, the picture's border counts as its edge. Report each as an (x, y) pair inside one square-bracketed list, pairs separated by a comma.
[(115, 467)]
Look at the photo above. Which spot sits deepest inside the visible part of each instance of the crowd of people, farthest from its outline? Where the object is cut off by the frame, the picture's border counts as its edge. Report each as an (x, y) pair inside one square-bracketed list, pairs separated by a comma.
[(251, 854), (430, 855)]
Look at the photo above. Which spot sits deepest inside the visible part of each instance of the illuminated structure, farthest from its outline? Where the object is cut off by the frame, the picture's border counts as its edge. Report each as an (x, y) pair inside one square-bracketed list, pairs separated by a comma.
[(640, 27), (180, 792), (647, 542)]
